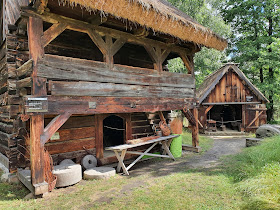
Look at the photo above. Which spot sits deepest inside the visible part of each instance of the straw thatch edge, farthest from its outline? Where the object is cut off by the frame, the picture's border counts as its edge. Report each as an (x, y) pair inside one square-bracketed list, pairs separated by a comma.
[(166, 20)]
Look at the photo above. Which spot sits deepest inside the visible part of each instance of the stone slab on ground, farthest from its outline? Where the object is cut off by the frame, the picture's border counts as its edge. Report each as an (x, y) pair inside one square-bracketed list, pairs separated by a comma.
[(99, 173), (191, 148), (67, 174), (253, 141)]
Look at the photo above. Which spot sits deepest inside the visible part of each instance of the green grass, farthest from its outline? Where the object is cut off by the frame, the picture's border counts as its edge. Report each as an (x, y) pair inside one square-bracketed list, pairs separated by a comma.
[(204, 142), (257, 173), (11, 192), (249, 180)]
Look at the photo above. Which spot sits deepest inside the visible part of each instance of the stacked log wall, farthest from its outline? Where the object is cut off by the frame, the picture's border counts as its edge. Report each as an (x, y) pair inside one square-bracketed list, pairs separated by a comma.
[(10, 123)]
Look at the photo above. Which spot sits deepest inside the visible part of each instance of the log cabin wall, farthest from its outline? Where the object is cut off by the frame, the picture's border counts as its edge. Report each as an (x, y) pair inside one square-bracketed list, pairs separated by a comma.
[(11, 127), (84, 58), (235, 91)]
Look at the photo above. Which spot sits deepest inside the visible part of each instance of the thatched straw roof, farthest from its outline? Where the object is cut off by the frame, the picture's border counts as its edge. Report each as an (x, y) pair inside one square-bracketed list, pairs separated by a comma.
[(213, 79), (158, 15)]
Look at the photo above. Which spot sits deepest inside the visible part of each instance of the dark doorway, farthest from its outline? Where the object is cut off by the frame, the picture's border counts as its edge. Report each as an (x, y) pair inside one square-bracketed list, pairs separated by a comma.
[(113, 131), (228, 115)]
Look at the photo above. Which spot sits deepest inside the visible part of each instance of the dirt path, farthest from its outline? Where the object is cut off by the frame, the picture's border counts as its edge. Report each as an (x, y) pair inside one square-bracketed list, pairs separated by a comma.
[(222, 146)]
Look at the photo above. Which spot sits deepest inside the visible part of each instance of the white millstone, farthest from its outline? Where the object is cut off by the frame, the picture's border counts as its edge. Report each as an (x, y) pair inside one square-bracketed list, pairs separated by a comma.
[(67, 162), (89, 161), (99, 173), (67, 174)]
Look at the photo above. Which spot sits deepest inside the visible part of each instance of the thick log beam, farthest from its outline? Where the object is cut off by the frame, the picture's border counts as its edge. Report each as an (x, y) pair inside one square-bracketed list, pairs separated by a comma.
[(193, 119), (98, 105), (54, 31), (53, 126), (195, 130), (35, 32)]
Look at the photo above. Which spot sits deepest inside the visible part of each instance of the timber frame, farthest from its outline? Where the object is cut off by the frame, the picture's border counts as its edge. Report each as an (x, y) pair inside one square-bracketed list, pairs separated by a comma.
[(38, 39), (71, 72)]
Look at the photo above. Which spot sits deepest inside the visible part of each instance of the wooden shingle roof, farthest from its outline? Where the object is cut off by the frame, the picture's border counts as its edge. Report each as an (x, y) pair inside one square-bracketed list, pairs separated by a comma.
[(213, 79)]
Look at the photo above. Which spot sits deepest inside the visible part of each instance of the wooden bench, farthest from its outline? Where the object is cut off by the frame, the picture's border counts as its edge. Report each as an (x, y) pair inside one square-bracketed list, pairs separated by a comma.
[(121, 150)]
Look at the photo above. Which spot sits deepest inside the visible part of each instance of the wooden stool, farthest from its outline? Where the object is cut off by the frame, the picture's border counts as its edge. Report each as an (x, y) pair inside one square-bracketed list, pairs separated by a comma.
[(211, 125)]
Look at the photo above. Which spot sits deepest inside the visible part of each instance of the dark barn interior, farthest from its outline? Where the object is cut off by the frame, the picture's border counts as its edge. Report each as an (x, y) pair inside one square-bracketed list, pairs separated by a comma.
[(228, 115)]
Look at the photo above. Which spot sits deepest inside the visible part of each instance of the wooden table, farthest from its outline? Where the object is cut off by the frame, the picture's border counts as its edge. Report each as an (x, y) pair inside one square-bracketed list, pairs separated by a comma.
[(121, 150)]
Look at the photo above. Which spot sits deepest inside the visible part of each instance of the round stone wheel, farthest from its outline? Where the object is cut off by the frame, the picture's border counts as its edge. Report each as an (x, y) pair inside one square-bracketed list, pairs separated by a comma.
[(67, 174), (67, 162), (89, 161), (267, 131), (99, 173)]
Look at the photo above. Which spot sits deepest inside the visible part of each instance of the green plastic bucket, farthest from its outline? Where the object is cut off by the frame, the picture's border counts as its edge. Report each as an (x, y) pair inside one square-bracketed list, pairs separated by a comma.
[(176, 147)]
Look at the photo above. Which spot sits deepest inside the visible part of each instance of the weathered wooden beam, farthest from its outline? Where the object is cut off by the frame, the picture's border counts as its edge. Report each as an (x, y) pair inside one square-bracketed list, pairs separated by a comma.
[(23, 83), (25, 69), (54, 31), (81, 26), (98, 41), (116, 90), (208, 109), (59, 67), (35, 32), (117, 45), (98, 105), (99, 135), (188, 63), (53, 126), (36, 149), (195, 130)]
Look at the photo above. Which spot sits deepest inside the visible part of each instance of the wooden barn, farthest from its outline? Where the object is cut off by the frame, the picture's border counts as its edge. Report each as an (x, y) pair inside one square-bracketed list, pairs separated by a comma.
[(79, 75), (229, 101)]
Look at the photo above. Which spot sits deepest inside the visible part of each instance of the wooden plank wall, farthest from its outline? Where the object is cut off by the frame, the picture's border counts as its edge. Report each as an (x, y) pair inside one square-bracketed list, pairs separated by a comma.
[(230, 89)]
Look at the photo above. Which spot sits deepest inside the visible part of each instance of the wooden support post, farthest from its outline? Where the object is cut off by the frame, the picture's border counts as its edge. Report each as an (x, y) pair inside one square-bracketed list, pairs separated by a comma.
[(36, 149), (243, 118), (188, 61), (128, 127), (107, 47), (195, 138), (35, 32), (99, 135), (157, 56)]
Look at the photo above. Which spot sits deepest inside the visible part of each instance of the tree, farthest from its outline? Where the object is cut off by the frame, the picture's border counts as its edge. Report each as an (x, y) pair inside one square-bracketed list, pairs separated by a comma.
[(254, 43), (206, 13)]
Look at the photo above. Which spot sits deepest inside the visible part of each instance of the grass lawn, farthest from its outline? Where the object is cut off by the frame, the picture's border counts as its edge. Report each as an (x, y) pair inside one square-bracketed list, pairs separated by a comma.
[(250, 180)]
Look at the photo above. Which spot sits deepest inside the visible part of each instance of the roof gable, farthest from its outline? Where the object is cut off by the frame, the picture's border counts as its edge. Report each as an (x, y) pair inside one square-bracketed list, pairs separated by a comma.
[(212, 80)]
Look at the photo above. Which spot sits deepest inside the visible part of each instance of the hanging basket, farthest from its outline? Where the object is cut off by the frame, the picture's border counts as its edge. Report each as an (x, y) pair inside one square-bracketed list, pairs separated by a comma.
[(164, 128)]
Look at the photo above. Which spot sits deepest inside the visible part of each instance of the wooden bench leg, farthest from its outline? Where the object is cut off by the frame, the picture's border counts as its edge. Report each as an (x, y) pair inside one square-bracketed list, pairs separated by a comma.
[(168, 145), (120, 159), (148, 150), (166, 149)]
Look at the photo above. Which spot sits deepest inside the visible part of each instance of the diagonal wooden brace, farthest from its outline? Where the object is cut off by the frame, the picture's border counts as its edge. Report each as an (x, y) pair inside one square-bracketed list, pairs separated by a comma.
[(53, 126)]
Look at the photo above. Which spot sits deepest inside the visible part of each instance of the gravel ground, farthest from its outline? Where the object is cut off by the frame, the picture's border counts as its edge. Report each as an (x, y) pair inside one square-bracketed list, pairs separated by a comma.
[(222, 146)]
